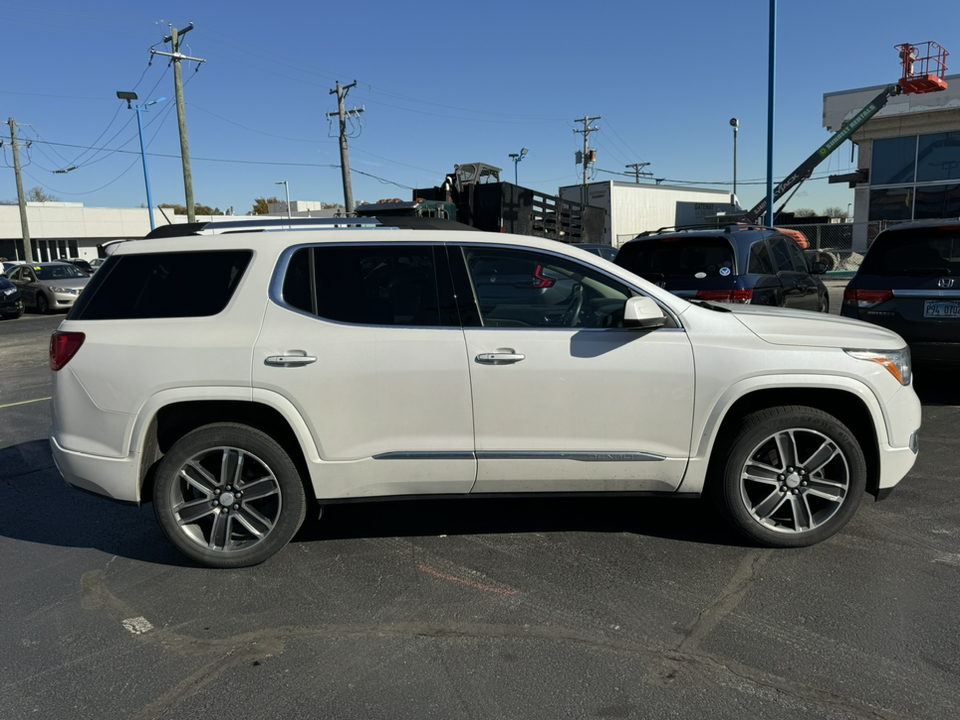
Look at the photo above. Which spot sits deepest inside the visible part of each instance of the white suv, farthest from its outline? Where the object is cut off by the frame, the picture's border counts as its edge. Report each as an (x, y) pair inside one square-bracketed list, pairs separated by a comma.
[(233, 377)]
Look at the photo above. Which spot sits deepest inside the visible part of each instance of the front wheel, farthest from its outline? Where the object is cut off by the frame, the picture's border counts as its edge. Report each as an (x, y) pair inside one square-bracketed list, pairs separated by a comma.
[(228, 496), (43, 305), (792, 476)]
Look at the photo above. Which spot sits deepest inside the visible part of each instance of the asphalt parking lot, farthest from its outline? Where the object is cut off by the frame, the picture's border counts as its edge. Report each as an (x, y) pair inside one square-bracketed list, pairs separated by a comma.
[(561, 608)]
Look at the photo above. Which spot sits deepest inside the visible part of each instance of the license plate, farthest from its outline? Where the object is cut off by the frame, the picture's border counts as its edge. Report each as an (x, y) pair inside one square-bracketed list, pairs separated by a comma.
[(941, 308)]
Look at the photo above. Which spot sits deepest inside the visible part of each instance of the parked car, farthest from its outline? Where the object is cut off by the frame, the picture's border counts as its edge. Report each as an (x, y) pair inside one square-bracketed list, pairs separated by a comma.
[(11, 304), (82, 264), (735, 264), (234, 378), (7, 265), (909, 282), (49, 286)]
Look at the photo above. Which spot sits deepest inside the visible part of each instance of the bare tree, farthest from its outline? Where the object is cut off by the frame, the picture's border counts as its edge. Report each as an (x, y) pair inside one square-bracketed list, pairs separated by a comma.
[(38, 194), (835, 212), (805, 212)]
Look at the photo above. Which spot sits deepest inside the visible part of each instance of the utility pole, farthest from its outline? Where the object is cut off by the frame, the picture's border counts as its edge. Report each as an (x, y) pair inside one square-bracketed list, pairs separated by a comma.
[(341, 93), (637, 167), (27, 250), (174, 39), (587, 157)]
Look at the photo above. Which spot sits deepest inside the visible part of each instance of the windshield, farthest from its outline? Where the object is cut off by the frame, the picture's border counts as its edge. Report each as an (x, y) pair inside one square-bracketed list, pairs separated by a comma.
[(678, 257), (916, 253), (59, 272)]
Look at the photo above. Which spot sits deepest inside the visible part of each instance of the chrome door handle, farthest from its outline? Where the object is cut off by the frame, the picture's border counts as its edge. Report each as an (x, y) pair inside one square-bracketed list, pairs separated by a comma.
[(289, 360), (505, 357)]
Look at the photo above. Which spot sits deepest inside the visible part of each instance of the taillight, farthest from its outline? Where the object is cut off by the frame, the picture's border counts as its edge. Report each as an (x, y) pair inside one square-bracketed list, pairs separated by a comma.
[(728, 296), (63, 346), (865, 298), (541, 281)]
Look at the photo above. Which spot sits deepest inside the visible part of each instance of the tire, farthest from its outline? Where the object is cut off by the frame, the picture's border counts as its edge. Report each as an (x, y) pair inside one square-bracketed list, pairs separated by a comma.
[(228, 496), (43, 305), (823, 305), (792, 476)]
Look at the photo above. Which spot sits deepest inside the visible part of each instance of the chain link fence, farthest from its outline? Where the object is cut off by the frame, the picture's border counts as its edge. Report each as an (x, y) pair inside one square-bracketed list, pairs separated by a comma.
[(841, 246)]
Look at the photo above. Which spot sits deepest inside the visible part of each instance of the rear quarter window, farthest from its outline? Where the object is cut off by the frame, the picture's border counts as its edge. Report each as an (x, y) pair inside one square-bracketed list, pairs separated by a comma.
[(162, 285)]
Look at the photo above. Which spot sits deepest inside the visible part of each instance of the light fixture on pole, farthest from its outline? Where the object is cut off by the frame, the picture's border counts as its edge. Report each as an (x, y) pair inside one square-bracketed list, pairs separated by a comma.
[(144, 107), (286, 187), (735, 124), (517, 157)]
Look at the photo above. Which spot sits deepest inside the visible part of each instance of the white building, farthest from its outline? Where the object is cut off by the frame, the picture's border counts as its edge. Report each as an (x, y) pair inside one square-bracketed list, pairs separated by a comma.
[(908, 154), (633, 208)]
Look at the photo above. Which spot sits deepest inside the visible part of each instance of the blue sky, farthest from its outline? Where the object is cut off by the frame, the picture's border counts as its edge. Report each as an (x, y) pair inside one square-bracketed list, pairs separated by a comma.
[(441, 83)]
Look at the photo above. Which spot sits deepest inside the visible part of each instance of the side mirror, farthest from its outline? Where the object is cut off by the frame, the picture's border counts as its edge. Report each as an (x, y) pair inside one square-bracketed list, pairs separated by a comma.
[(643, 312), (818, 267)]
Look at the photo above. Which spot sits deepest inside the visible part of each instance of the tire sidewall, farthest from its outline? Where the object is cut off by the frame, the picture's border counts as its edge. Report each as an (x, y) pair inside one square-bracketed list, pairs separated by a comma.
[(268, 451), (755, 429)]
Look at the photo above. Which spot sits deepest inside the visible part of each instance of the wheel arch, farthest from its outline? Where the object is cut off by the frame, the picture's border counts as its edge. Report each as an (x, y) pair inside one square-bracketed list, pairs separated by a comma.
[(174, 420), (850, 405)]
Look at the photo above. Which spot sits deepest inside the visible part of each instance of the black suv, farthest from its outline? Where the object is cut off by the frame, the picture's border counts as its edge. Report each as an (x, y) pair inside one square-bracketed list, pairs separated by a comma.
[(909, 282), (737, 264)]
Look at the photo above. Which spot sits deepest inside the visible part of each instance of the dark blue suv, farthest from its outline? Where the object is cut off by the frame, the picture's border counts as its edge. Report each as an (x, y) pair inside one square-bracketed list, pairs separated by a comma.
[(736, 264)]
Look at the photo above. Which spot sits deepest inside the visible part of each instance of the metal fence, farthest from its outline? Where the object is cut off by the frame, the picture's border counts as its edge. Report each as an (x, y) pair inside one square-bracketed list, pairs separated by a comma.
[(841, 245)]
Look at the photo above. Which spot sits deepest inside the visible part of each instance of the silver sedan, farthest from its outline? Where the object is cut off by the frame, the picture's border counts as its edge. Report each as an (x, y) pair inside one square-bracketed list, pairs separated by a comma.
[(49, 286)]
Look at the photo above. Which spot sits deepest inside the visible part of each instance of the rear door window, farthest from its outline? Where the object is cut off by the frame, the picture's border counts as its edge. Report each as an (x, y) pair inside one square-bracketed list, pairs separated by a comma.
[(162, 285), (782, 260), (372, 285), (761, 263), (678, 257)]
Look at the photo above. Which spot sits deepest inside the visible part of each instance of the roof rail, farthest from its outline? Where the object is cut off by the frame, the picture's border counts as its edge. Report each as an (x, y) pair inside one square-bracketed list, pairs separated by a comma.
[(215, 227), (731, 227)]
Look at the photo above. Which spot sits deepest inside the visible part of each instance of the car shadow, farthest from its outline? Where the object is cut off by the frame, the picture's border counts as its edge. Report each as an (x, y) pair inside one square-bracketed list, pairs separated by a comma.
[(936, 384), (37, 506)]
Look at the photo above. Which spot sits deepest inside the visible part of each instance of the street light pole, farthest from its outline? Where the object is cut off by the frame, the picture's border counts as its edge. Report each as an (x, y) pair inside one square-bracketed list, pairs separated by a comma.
[(736, 126), (287, 188), (517, 157), (144, 107)]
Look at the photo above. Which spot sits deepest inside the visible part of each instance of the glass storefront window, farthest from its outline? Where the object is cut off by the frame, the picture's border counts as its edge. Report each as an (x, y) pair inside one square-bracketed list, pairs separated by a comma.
[(891, 204), (938, 157), (894, 161), (936, 201)]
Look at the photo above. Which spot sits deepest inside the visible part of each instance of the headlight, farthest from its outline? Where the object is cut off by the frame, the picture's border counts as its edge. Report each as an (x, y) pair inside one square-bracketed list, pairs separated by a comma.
[(9, 292), (65, 291), (897, 362)]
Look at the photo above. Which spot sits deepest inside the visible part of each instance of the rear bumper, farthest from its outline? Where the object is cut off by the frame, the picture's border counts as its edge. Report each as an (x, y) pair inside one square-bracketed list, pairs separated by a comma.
[(114, 478)]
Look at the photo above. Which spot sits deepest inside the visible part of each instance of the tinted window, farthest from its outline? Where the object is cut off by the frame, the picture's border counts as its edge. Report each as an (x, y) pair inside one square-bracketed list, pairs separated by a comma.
[(760, 261), (937, 201), (782, 260), (891, 204), (938, 157), (894, 160), (914, 253), (162, 285), (520, 288), (368, 285), (678, 257), (797, 256)]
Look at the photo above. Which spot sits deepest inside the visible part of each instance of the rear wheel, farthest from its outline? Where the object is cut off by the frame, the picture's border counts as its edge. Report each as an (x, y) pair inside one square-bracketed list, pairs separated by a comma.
[(43, 305), (792, 476), (228, 496), (824, 304)]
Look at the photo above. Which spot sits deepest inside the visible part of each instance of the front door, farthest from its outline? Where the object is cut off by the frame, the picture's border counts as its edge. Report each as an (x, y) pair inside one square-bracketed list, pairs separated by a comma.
[(566, 400)]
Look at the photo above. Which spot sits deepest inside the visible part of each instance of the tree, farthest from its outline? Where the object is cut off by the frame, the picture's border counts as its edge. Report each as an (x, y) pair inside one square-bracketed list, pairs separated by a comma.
[(38, 194), (805, 212), (198, 209), (261, 206), (835, 212)]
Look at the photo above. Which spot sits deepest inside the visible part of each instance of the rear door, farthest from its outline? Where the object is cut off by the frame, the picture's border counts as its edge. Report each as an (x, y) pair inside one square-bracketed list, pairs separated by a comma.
[(799, 287), (364, 340)]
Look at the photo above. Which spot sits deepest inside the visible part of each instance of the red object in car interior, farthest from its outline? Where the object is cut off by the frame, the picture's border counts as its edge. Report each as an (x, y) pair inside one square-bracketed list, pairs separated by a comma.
[(63, 346), (544, 282)]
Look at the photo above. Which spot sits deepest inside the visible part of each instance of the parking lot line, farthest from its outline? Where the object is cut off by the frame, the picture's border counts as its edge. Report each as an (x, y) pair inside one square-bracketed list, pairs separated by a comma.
[(24, 402)]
